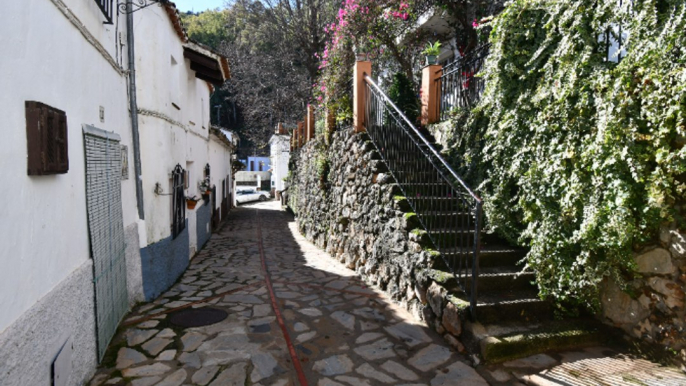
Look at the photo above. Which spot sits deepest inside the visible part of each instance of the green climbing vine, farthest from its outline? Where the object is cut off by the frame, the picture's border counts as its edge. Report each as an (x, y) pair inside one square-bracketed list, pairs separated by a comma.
[(579, 157)]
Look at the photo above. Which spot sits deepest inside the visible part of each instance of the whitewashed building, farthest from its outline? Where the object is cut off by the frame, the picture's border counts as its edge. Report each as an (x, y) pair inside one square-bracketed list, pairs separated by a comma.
[(279, 154), (79, 250)]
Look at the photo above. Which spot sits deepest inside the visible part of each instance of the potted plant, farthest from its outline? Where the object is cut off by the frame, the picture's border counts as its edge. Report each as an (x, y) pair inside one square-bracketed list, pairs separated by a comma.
[(191, 202), (361, 52), (205, 189), (432, 51), (204, 186)]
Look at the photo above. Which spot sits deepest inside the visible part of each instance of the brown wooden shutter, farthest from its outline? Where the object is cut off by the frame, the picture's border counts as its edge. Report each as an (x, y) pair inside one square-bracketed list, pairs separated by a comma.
[(46, 137), (62, 144), (34, 138)]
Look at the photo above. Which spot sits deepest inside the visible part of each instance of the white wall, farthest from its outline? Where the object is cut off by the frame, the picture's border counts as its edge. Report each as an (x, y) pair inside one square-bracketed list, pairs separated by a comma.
[(169, 135), (279, 148), (44, 229), (220, 164)]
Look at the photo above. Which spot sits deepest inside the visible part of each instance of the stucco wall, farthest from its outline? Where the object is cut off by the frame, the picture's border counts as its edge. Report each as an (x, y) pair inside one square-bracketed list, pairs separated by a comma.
[(220, 163), (203, 228), (279, 155), (47, 58), (163, 262), (134, 276), (30, 344)]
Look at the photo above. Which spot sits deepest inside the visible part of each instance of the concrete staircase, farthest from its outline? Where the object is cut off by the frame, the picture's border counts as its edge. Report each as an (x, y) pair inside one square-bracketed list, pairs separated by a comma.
[(511, 320)]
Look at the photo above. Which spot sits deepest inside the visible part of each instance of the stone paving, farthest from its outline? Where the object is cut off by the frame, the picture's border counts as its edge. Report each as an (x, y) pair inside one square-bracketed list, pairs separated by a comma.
[(342, 332)]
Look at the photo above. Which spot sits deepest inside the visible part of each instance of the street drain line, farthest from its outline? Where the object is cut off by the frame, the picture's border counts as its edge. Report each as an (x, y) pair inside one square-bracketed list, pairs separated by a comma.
[(321, 287), (275, 307)]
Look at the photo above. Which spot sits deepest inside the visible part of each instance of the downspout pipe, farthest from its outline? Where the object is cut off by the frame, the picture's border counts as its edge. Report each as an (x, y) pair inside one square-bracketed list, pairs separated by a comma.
[(133, 106)]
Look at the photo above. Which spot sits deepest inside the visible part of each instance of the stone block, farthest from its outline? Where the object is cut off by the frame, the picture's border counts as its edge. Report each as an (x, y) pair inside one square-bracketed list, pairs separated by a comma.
[(655, 261), (436, 298), (619, 307), (673, 292), (451, 319)]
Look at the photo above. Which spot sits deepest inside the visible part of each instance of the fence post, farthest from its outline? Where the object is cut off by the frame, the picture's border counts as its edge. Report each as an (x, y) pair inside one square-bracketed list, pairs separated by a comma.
[(295, 138), (310, 122), (300, 129), (330, 124), (430, 93), (361, 69)]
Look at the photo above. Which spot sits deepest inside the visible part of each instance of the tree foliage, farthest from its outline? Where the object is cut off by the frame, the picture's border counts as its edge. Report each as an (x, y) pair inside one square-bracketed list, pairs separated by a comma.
[(270, 46), (580, 158)]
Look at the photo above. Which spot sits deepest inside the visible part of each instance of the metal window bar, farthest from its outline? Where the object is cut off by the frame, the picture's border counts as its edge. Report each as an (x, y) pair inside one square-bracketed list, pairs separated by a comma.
[(178, 202), (458, 86), (446, 207), (107, 9)]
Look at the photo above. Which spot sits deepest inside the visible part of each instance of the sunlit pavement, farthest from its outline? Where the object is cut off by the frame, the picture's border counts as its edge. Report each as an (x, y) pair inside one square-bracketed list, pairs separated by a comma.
[(307, 321)]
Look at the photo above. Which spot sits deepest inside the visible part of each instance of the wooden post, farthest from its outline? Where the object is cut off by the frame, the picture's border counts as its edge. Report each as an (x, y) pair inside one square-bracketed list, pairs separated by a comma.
[(295, 138), (310, 122), (301, 131), (330, 124), (361, 69), (430, 94)]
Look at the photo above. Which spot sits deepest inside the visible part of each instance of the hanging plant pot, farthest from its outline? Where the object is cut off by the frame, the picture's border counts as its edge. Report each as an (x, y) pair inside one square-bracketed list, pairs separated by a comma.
[(431, 60), (190, 204)]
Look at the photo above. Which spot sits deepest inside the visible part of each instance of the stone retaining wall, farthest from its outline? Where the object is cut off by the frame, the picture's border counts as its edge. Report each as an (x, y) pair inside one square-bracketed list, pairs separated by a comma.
[(347, 204), (652, 307)]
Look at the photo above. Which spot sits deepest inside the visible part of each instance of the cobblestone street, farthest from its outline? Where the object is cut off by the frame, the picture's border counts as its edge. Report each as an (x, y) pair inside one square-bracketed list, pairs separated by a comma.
[(323, 326)]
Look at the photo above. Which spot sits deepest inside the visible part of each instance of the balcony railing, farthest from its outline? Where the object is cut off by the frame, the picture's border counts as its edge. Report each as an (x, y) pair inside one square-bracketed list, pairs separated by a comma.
[(106, 6), (458, 86)]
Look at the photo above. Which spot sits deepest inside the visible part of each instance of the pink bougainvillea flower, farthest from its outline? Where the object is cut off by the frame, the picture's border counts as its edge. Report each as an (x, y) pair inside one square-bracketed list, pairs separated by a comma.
[(475, 23)]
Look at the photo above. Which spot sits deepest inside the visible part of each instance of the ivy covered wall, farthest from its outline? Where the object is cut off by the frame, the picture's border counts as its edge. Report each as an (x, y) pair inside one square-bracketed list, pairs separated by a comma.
[(581, 157)]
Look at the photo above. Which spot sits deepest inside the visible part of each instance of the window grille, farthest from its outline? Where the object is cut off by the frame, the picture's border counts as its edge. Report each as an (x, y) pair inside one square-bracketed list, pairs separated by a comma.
[(106, 8), (178, 201), (613, 40)]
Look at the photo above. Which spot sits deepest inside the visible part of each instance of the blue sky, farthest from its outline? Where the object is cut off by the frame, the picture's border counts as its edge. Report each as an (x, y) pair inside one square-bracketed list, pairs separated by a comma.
[(198, 5)]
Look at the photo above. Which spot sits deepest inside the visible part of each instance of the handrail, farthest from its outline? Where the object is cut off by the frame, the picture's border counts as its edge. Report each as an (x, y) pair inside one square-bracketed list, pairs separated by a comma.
[(416, 132), (445, 206)]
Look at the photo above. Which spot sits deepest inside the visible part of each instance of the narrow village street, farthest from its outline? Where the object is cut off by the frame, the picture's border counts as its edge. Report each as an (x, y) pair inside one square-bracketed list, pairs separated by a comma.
[(338, 331)]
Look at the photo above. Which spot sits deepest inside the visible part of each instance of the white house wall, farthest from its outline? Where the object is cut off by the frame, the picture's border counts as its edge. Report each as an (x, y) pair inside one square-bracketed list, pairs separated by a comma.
[(174, 127), (280, 155), (58, 53)]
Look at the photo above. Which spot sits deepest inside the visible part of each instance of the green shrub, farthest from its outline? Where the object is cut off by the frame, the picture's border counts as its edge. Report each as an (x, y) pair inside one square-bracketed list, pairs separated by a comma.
[(401, 92)]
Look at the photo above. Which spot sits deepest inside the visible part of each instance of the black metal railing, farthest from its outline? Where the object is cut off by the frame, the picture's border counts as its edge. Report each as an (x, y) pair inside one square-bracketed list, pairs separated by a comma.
[(446, 207), (106, 8), (346, 96), (458, 86), (178, 201)]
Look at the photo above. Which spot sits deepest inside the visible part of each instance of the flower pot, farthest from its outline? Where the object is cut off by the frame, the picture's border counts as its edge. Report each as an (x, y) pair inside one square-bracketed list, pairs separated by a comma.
[(190, 204), (431, 59), (361, 57)]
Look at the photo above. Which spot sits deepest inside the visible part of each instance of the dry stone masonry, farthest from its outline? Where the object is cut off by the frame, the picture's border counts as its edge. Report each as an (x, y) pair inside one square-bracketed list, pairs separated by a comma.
[(652, 308), (347, 203)]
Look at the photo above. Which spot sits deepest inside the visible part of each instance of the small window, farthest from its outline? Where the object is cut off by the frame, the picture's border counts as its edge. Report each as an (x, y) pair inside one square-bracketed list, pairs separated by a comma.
[(46, 138), (124, 162)]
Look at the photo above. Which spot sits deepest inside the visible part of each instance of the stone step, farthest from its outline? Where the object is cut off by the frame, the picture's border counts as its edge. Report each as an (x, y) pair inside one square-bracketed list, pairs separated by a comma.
[(512, 305), (509, 340), (454, 237), (489, 256), (490, 279)]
